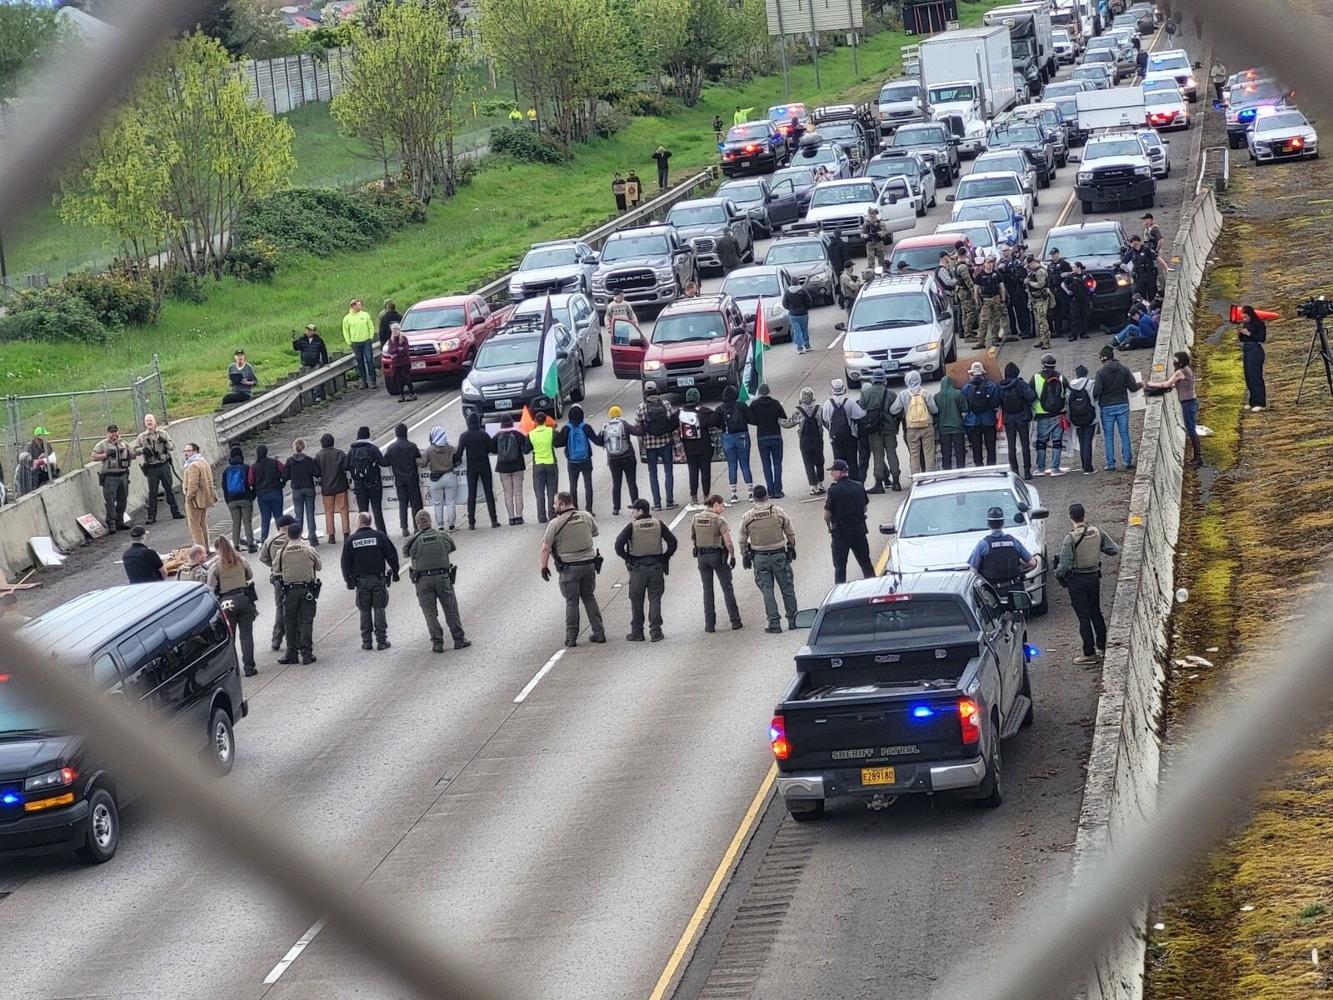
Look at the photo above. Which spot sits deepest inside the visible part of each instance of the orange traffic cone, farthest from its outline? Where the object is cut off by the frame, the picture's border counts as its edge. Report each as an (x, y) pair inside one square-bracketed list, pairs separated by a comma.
[(1239, 317), (527, 423)]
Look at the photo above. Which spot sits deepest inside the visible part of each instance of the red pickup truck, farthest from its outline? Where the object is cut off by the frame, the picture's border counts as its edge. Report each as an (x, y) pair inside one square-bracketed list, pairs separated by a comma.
[(444, 333)]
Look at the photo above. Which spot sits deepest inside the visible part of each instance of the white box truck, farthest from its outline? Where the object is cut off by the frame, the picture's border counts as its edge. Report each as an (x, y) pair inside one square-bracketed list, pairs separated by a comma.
[(969, 72), (1119, 107)]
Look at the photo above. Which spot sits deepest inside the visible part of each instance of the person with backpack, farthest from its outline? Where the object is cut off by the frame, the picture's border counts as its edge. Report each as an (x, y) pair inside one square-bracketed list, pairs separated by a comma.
[(545, 473), (696, 424), (238, 493), (1016, 399), (577, 438), (917, 412), (1083, 415), (511, 444), (478, 447), (877, 436), (767, 415), (810, 436), (1052, 392), (333, 487), (983, 402), (404, 459), (269, 478), (951, 409), (658, 427), (841, 417), (735, 423), (364, 461), (620, 458), (302, 472), (442, 472)]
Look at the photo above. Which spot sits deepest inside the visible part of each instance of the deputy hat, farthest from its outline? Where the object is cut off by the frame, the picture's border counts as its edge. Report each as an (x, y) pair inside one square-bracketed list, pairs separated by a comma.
[(138, 531), (995, 516)]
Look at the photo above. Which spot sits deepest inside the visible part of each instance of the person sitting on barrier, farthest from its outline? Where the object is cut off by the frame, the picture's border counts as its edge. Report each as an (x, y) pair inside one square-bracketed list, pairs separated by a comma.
[(242, 378), (1140, 331)]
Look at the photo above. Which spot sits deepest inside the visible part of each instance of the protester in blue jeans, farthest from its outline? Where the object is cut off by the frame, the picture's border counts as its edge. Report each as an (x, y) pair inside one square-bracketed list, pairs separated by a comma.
[(767, 414), (269, 478), (735, 417), (1182, 380), (659, 427), (796, 300), (1141, 331), (1110, 390)]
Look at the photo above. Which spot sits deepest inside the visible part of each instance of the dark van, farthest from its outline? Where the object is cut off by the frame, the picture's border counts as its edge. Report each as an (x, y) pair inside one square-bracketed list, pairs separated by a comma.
[(163, 646)]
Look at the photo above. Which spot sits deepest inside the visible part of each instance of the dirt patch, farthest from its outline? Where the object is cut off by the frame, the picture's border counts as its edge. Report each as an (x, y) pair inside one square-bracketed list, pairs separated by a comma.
[(1256, 532)]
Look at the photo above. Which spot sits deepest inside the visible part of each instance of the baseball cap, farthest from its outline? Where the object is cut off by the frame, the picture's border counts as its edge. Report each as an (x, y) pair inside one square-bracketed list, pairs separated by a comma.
[(138, 531), (976, 368), (1107, 352), (649, 388), (286, 521), (640, 504), (1048, 360), (839, 465)]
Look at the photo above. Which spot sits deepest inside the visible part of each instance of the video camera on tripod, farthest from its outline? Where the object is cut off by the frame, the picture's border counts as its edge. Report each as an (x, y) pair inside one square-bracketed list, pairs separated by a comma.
[(1317, 309)]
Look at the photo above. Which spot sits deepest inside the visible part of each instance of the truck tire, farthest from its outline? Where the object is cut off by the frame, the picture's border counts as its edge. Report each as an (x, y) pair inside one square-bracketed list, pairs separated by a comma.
[(103, 833), (815, 812), (991, 793), (391, 385), (221, 753)]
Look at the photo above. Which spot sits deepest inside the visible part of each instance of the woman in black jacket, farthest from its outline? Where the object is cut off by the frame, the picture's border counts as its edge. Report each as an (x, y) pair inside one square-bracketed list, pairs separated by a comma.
[(478, 447), (696, 426), (270, 477), (1016, 399), (1253, 335), (511, 444)]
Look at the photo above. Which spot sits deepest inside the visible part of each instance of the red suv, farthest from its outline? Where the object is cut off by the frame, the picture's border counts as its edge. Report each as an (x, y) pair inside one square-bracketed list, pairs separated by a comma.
[(444, 333), (696, 343)]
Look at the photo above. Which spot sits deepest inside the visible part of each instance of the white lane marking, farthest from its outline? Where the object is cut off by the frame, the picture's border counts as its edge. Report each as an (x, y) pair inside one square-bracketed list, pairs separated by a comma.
[(836, 341), (681, 516), (527, 689), (430, 416), (301, 944)]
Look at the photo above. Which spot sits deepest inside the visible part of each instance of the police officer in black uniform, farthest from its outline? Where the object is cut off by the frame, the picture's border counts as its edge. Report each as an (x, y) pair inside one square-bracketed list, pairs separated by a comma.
[(845, 514), (1144, 259), (1000, 558), (369, 565), (1056, 270), (142, 564), (1015, 283)]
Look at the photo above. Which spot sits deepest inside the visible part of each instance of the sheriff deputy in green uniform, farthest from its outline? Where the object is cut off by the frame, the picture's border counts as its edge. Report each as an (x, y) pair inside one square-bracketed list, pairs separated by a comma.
[(646, 545), (298, 565), (116, 458), (713, 548), (432, 573), (768, 544), (272, 548), (569, 541)]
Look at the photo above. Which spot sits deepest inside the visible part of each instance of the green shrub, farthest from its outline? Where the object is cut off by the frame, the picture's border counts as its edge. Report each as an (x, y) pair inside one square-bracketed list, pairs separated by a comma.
[(608, 121), (397, 204), (466, 169), (52, 315), (253, 260), (523, 143), (642, 104), (494, 107), (115, 297), (183, 286), (323, 221)]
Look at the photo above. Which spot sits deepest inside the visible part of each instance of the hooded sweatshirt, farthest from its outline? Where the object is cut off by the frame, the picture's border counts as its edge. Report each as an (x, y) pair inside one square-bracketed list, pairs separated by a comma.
[(734, 414), (237, 457), (562, 436), (439, 453), (302, 471), (476, 444), (1016, 395), (913, 383), (980, 388), (515, 463), (951, 407), (376, 459), (403, 456), (268, 472)]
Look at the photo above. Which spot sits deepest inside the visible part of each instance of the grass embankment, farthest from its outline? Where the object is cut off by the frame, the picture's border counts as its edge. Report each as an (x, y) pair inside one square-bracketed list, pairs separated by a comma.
[(1241, 925), (467, 239)]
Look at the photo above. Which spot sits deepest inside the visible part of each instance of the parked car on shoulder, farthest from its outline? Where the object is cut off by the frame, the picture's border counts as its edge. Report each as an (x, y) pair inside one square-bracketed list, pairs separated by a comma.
[(1247, 100), (444, 334), (1285, 134)]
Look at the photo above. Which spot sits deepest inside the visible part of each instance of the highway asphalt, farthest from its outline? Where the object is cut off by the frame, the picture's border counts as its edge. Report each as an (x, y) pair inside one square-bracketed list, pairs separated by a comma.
[(562, 840)]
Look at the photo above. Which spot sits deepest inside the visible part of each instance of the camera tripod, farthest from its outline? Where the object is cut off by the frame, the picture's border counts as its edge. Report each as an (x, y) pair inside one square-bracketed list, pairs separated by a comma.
[(1318, 343)]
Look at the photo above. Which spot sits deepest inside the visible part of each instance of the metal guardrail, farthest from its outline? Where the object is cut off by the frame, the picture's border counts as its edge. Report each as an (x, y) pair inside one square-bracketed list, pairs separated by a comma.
[(1222, 177), (280, 401)]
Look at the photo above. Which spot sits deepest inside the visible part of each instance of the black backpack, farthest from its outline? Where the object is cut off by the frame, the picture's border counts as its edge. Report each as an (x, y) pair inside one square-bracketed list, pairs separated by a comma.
[(981, 397), (839, 426), (1053, 395), (733, 415), (1012, 398), (811, 434), (365, 469), (508, 449), (657, 420), (1082, 413), (872, 402)]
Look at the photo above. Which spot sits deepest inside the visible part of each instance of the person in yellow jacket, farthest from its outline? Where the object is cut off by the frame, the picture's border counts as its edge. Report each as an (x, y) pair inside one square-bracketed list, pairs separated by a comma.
[(359, 332), (545, 471), (515, 116)]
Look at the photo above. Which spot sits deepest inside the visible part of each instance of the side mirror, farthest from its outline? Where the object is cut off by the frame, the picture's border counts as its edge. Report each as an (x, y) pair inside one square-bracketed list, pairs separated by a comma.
[(639, 342), (1020, 600), (840, 327), (561, 355), (1075, 158), (948, 197), (467, 363), (1040, 514), (805, 617), (888, 529), (592, 258)]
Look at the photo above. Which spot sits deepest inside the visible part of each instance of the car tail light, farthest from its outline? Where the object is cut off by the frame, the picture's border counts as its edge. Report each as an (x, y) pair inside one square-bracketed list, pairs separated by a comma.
[(969, 721), (777, 738)]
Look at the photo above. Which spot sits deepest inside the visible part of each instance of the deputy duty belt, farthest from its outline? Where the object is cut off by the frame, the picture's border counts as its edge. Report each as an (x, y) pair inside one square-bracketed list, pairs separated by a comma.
[(432, 572), (706, 549), (589, 562)]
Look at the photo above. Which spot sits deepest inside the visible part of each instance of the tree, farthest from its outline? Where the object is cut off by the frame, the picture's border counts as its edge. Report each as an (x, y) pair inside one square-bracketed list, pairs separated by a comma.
[(27, 32), (180, 157), (409, 81), (371, 11), (256, 31), (685, 38)]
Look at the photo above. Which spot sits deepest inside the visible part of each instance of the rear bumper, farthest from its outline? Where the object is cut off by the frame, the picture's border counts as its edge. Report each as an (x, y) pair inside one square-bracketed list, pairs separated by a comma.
[(918, 777), (46, 833), (432, 365)]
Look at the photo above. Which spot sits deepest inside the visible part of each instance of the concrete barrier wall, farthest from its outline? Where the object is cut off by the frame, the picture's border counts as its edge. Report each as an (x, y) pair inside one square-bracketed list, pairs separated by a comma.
[(55, 508), (1121, 786)]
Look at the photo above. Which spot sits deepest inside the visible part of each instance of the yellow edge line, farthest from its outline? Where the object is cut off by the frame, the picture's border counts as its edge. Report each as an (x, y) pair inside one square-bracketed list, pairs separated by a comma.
[(714, 886), (883, 560)]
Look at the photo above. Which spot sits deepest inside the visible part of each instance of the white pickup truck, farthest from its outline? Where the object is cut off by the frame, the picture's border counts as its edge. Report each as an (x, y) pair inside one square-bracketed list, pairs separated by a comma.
[(840, 206)]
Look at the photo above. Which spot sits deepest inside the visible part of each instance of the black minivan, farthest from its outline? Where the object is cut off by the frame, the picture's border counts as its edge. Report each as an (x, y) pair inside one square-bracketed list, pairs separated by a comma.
[(164, 646)]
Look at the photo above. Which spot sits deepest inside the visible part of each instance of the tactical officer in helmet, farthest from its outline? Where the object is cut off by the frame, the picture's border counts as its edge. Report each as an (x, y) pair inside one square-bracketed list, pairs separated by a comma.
[(298, 566), (713, 548), (272, 548), (569, 541), (646, 545), (433, 574), (369, 565), (768, 544), (1000, 558)]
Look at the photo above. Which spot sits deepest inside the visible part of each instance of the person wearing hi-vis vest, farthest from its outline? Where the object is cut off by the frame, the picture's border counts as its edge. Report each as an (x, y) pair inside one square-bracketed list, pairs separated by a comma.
[(646, 545)]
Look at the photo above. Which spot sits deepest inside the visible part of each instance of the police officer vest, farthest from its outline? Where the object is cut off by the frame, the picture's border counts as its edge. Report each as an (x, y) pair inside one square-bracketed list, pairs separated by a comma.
[(1001, 563), (990, 284), (645, 537), (230, 578), (963, 273), (155, 448), (1038, 285), (431, 551), (766, 534), (574, 536), (367, 559), (1087, 550), (295, 564), (118, 457), (707, 530), (274, 549)]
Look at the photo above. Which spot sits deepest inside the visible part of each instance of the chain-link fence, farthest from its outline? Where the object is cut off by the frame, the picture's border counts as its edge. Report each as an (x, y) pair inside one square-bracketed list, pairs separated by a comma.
[(51, 432)]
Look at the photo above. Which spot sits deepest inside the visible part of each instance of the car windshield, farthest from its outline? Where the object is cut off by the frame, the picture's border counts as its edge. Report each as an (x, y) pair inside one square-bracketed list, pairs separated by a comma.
[(955, 513), (1093, 73), (1099, 55), (687, 327), (916, 258), (987, 211), (1260, 90), (627, 247), (799, 176), (842, 194), (1112, 147), (918, 137), (1166, 62), (1015, 161), (1272, 123), (891, 92), (894, 166), (795, 252), (1165, 84), (1068, 106), (882, 312), (784, 112), (1156, 97), (548, 257), (743, 194), (1059, 35), (819, 154), (696, 215), (871, 623), (1017, 135), (1152, 140), (987, 187), (1063, 90), (952, 94), (503, 351), (750, 286), (754, 130), (21, 713), (980, 233), (1077, 244), (537, 307), (839, 130), (433, 318)]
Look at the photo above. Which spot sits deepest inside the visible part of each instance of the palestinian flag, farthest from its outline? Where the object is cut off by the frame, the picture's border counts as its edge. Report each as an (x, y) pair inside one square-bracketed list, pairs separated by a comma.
[(548, 372), (754, 365)]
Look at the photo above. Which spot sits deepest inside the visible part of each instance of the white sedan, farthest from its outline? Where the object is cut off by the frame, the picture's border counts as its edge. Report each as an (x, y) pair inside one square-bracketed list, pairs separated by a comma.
[(944, 516), (1283, 134), (1166, 108), (997, 184)]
